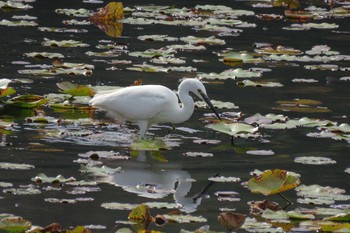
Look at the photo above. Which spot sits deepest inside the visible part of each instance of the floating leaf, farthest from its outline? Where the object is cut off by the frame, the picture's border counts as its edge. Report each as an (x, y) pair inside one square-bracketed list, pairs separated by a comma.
[(76, 90), (202, 40), (224, 179), (111, 12), (299, 216), (343, 217), (74, 12), (272, 182), (40, 55), (23, 190), (149, 144), (275, 215), (231, 221), (260, 152), (313, 160), (14, 224), (240, 57), (63, 43), (27, 101), (316, 194), (249, 83), (141, 216), (234, 129), (15, 166), (42, 178), (17, 23), (216, 104), (184, 218)]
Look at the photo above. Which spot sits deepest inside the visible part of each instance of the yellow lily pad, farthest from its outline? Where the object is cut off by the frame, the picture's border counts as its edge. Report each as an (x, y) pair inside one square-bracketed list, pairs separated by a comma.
[(272, 182)]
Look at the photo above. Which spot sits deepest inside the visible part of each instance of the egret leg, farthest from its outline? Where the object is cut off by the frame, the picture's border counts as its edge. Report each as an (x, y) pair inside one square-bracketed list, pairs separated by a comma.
[(143, 125)]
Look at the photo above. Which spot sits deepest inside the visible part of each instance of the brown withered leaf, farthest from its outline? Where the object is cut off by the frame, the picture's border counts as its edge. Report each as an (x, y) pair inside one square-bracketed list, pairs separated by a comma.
[(231, 221), (258, 207)]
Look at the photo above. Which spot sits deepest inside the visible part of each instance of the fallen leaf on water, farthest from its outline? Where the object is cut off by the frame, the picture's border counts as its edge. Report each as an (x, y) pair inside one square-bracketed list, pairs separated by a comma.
[(76, 90), (111, 12), (231, 221), (272, 182)]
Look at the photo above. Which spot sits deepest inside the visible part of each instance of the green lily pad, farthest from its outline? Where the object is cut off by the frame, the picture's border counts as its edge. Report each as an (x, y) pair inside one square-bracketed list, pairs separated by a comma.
[(14, 224), (343, 217), (275, 215), (272, 182), (299, 216), (157, 38), (234, 129), (149, 144), (217, 104), (26, 101), (76, 90), (141, 216), (230, 74)]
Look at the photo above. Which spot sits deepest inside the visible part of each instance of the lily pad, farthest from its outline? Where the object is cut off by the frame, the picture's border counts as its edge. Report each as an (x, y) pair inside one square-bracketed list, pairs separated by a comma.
[(63, 43), (235, 129), (231, 221), (149, 144), (111, 12), (15, 166), (249, 83), (14, 224), (272, 182), (42, 178), (26, 101), (76, 90), (313, 160)]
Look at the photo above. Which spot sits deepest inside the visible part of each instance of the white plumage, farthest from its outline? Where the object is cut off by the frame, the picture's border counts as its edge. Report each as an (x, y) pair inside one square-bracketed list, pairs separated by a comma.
[(147, 105)]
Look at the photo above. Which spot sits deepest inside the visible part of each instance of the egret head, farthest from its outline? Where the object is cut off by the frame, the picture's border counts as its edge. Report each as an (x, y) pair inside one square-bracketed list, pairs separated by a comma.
[(196, 87)]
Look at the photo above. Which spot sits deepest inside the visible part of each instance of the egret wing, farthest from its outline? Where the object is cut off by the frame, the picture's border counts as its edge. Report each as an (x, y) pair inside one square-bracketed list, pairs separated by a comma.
[(136, 102)]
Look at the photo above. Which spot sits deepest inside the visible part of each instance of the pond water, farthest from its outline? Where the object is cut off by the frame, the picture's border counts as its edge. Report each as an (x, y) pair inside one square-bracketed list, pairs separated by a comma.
[(172, 176)]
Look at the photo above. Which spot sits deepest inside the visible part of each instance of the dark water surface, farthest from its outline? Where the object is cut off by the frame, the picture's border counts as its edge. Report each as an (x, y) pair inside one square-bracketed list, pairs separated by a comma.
[(38, 145)]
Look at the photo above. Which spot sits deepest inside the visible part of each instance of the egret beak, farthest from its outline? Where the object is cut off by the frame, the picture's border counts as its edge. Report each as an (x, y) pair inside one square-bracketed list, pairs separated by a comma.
[(206, 99)]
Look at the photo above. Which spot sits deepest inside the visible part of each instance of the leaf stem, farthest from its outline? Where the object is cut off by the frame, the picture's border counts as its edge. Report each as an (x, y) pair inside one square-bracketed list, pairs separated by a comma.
[(289, 202)]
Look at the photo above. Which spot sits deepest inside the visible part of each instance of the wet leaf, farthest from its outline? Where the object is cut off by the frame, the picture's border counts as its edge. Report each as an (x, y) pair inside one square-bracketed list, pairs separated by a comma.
[(299, 216), (40, 55), (275, 215), (343, 217), (59, 179), (141, 215), (234, 129), (74, 12), (63, 43), (240, 57), (184, 218), (14, 224), (217, 104), (249, 83), (231, 221), (149, 144), (27, 101), (316, 194), (314, 160), (76, 90), (15, 166), (212, 40), (224, 179), (272, 182), (23, 190), (111, 12), (18, 23)]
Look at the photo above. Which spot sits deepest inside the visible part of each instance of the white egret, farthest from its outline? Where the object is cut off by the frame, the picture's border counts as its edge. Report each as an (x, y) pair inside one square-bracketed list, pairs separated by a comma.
[(147, 105)]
